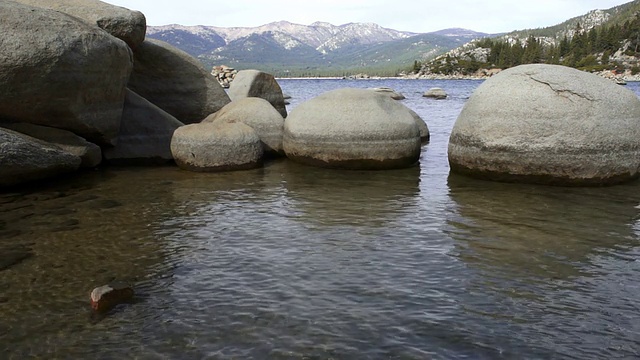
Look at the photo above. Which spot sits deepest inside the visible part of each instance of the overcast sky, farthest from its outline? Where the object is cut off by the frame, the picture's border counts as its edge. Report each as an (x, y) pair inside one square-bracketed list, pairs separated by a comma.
[(490, 16)]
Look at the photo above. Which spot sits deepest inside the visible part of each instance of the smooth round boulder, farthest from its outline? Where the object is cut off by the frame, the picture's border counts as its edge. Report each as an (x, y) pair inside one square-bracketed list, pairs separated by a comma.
[(352, 129), (216, 147), (58, 71), (176, 82), (436, 93), (548, 124), (127, 25), (260, 116), (255, 83)]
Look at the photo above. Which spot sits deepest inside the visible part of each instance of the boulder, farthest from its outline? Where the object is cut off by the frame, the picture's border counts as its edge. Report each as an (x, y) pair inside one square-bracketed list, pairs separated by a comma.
[(24, 158), (129, 26), (435, 93), (57, 71), (145, 134), (106, 297), (254, 83), (176, 82), (353, 129), (389, 91), (425, 135), (89, 153), (216, 147), (260, 116), (548, 124)]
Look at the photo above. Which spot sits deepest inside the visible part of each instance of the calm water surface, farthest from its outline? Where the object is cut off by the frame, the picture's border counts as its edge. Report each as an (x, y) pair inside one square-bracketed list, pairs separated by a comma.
[(294, 262)]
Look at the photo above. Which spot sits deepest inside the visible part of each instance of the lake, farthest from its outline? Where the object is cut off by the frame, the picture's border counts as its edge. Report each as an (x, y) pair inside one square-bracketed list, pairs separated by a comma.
[(296, 262)]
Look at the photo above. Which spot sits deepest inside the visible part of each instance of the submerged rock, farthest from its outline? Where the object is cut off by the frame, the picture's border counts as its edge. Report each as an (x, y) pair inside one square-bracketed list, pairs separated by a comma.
[(548, 124), (436, 93), (353, 129), (105, 298)]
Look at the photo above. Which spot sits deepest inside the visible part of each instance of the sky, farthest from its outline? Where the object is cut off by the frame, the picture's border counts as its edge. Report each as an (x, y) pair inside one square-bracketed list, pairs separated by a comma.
[(490, 16)]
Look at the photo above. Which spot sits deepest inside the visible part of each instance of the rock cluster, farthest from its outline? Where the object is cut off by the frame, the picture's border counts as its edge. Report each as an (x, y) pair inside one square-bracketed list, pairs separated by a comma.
[(548, 124), (224, 75), (68, 74)]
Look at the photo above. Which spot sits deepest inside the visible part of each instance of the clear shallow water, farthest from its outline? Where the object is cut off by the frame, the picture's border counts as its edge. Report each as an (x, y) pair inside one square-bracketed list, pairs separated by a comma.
[(294, 262)]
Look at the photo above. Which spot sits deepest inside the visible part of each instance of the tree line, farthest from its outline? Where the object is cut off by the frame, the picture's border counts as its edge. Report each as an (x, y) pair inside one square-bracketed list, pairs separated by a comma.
[(588, 50)]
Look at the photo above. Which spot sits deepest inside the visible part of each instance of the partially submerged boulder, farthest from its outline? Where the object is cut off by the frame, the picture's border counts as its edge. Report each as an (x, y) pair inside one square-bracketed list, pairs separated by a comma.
[(389, 91), (548, 124), (127, 25), (106, 297), (58, 71), (216, 147), (176, 82), (254, 83), (89, 153), (145, 134), (260, 116), (353, 129), (436, 93), (24, 158)]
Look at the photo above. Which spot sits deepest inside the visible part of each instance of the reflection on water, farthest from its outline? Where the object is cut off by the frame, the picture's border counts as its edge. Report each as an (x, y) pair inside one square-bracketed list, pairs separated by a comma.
[(294, 262)]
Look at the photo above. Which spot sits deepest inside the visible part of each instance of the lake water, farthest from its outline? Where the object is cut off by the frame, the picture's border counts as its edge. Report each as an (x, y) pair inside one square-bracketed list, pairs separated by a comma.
[(296, 262)]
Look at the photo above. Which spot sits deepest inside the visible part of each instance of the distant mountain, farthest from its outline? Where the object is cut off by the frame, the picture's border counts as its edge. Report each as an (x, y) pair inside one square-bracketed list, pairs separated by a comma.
[(285, 48)]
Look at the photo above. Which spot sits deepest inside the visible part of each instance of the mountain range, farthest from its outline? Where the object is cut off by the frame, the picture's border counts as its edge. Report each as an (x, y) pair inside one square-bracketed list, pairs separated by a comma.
[(320, 49)]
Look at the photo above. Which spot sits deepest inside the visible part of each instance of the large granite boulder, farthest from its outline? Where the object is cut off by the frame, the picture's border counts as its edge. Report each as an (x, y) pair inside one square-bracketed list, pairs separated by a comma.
[(176, 82), (259, 115), (435, 93), (354, 129), (58, 71), (145, 134), (24, 158), (254, 83), (216, 147), (548, 124), (89, 153), (120, 22)]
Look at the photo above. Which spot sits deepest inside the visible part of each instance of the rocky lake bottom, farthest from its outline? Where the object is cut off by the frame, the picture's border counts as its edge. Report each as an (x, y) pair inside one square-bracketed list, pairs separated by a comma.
[(295, 262)]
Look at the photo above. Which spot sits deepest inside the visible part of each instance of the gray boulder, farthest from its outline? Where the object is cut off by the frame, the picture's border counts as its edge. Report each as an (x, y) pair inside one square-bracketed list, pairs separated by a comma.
[(436, 93), (23, 159), (259, 115), (176, 82), (89, 153), (216, 147), (254, 83), (57, 71), (425, 135), (354, 129), (129, 26), (145, 134), (548, 124)]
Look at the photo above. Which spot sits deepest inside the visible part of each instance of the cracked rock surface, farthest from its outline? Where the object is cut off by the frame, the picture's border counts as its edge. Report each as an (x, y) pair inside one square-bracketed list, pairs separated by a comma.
[(548, 124)]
